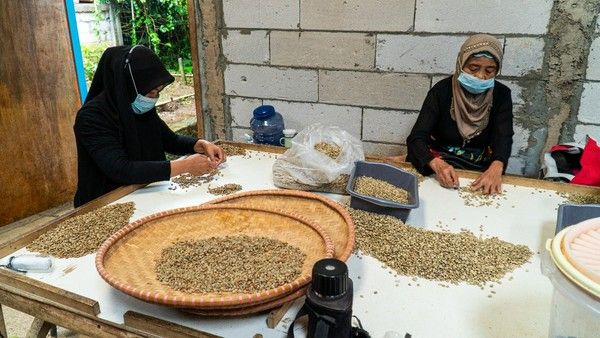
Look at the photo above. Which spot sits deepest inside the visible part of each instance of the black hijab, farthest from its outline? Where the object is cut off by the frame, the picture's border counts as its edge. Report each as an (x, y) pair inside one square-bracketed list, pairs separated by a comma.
[(112, 90)]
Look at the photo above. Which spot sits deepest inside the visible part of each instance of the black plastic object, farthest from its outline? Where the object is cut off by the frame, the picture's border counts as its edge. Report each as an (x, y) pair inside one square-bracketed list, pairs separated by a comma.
[(330, 278), (392, 175), (329, 300), (571, 214)]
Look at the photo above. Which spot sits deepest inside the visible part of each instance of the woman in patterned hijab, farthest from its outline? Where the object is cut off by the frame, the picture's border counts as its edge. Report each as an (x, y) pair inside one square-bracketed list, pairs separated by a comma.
[(466, 120)]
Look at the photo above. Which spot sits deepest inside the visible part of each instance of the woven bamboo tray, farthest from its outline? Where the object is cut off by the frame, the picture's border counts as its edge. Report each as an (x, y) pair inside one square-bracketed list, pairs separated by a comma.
[(247, 310), (127, 259), (332, 217)]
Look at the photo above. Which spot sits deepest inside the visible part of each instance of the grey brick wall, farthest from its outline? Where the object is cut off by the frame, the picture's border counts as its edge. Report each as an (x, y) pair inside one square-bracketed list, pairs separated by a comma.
[(366, 65), (588, 117), (490, 16)]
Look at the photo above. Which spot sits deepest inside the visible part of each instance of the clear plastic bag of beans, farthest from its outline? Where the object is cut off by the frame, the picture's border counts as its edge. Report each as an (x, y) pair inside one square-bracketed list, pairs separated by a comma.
[(319, 159)]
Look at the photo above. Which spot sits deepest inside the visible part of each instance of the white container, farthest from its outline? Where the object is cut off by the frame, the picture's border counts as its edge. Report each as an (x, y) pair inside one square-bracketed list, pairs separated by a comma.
[(28, 263), (575, 309), (574, 312), (288, 135)]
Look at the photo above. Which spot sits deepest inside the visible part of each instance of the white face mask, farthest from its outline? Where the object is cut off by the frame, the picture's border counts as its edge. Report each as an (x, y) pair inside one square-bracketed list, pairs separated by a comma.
[(142, 103)]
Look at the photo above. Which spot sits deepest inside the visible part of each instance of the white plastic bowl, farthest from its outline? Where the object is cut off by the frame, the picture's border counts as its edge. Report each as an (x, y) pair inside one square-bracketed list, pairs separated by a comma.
[(576, 298)]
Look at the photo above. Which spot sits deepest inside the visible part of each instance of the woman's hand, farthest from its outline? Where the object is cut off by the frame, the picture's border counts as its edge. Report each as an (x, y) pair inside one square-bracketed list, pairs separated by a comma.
[(398, 158), (215, 153), (444, 173), (490, 182), (195, 164)]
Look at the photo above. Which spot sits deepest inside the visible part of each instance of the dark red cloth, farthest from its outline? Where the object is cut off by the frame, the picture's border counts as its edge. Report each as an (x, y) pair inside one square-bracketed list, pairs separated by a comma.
[(561, 147)]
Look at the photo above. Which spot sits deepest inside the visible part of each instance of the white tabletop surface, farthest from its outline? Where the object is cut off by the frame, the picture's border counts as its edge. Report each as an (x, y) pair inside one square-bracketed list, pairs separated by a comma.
[(519, 308)]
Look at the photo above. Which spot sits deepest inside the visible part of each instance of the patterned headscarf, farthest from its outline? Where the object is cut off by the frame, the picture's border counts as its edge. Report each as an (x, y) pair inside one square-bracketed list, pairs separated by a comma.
[(472, 111)]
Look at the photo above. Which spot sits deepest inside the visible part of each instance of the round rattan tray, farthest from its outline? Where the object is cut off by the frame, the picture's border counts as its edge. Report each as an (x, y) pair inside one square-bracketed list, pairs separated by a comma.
[(247, 310), (127, 259), (331, 216)]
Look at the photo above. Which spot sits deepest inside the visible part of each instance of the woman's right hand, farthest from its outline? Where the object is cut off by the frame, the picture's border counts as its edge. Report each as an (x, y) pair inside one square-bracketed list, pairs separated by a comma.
[(444, 173), (195, 164)]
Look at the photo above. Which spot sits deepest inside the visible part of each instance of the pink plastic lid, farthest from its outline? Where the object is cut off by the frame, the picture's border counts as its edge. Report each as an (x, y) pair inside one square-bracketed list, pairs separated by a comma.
[(581, 246)]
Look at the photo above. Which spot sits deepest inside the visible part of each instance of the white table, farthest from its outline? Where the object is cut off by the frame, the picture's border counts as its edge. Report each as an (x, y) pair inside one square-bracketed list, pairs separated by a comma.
[(519, 308)]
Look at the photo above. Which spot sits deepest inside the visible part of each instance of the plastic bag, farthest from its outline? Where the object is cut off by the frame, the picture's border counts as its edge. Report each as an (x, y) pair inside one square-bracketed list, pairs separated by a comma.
[(305, 168), (575, 163), (561, 163)]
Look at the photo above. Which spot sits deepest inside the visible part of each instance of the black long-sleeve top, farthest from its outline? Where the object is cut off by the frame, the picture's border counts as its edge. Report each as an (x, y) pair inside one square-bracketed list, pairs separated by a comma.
[(435, 126), (103, 162)]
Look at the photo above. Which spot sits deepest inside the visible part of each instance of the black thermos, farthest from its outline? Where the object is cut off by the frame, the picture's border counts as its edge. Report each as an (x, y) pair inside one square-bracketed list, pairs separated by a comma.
[(329, 300)]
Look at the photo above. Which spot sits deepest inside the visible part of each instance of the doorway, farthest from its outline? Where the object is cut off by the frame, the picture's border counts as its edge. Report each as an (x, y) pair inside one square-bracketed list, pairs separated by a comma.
[(163, 26)]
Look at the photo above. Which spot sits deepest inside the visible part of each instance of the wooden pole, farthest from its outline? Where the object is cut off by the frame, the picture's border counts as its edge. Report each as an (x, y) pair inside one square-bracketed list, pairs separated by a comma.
[(40, 308), (134, 40), (3, 333), (276, 315), (39, 328), (182, 71), (161, 327), (195, 45)]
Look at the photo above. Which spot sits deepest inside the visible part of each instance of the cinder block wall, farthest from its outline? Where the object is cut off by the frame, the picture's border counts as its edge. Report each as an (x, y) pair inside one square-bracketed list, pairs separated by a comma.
[(588, 117), (366, 66), (93, 30)]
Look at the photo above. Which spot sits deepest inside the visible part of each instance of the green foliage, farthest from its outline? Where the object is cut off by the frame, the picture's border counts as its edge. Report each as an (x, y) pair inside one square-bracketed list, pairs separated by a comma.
[(159, 24), (187, 67), (91, 56)]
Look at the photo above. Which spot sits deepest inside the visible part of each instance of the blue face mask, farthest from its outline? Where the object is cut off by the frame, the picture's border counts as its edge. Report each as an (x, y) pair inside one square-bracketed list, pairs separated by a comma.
[(141, 104), (474, 85)]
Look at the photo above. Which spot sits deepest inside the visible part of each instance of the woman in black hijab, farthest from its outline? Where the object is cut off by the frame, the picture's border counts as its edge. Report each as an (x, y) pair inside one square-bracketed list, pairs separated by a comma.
[(120, 138)]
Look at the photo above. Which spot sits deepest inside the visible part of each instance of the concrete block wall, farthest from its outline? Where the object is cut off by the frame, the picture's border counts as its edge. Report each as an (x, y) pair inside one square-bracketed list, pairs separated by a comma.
[(366, 65), (96, 30), (588, 117)]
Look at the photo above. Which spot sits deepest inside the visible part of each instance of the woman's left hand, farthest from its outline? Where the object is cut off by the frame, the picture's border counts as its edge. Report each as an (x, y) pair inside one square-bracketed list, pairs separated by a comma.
[(398, 158), (490, 182), (214, 152)]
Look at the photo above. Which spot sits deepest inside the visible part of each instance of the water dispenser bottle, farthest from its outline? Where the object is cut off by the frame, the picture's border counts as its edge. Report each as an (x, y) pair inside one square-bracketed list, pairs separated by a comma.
[(267, 125)]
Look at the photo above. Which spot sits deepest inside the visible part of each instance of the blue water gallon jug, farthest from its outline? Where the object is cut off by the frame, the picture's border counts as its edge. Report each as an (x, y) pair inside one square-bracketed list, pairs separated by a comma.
[(267, 125)]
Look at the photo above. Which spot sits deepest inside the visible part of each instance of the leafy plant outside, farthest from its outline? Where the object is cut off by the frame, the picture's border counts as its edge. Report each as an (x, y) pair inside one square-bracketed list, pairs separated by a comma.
[(161, 25), (91, 56)]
